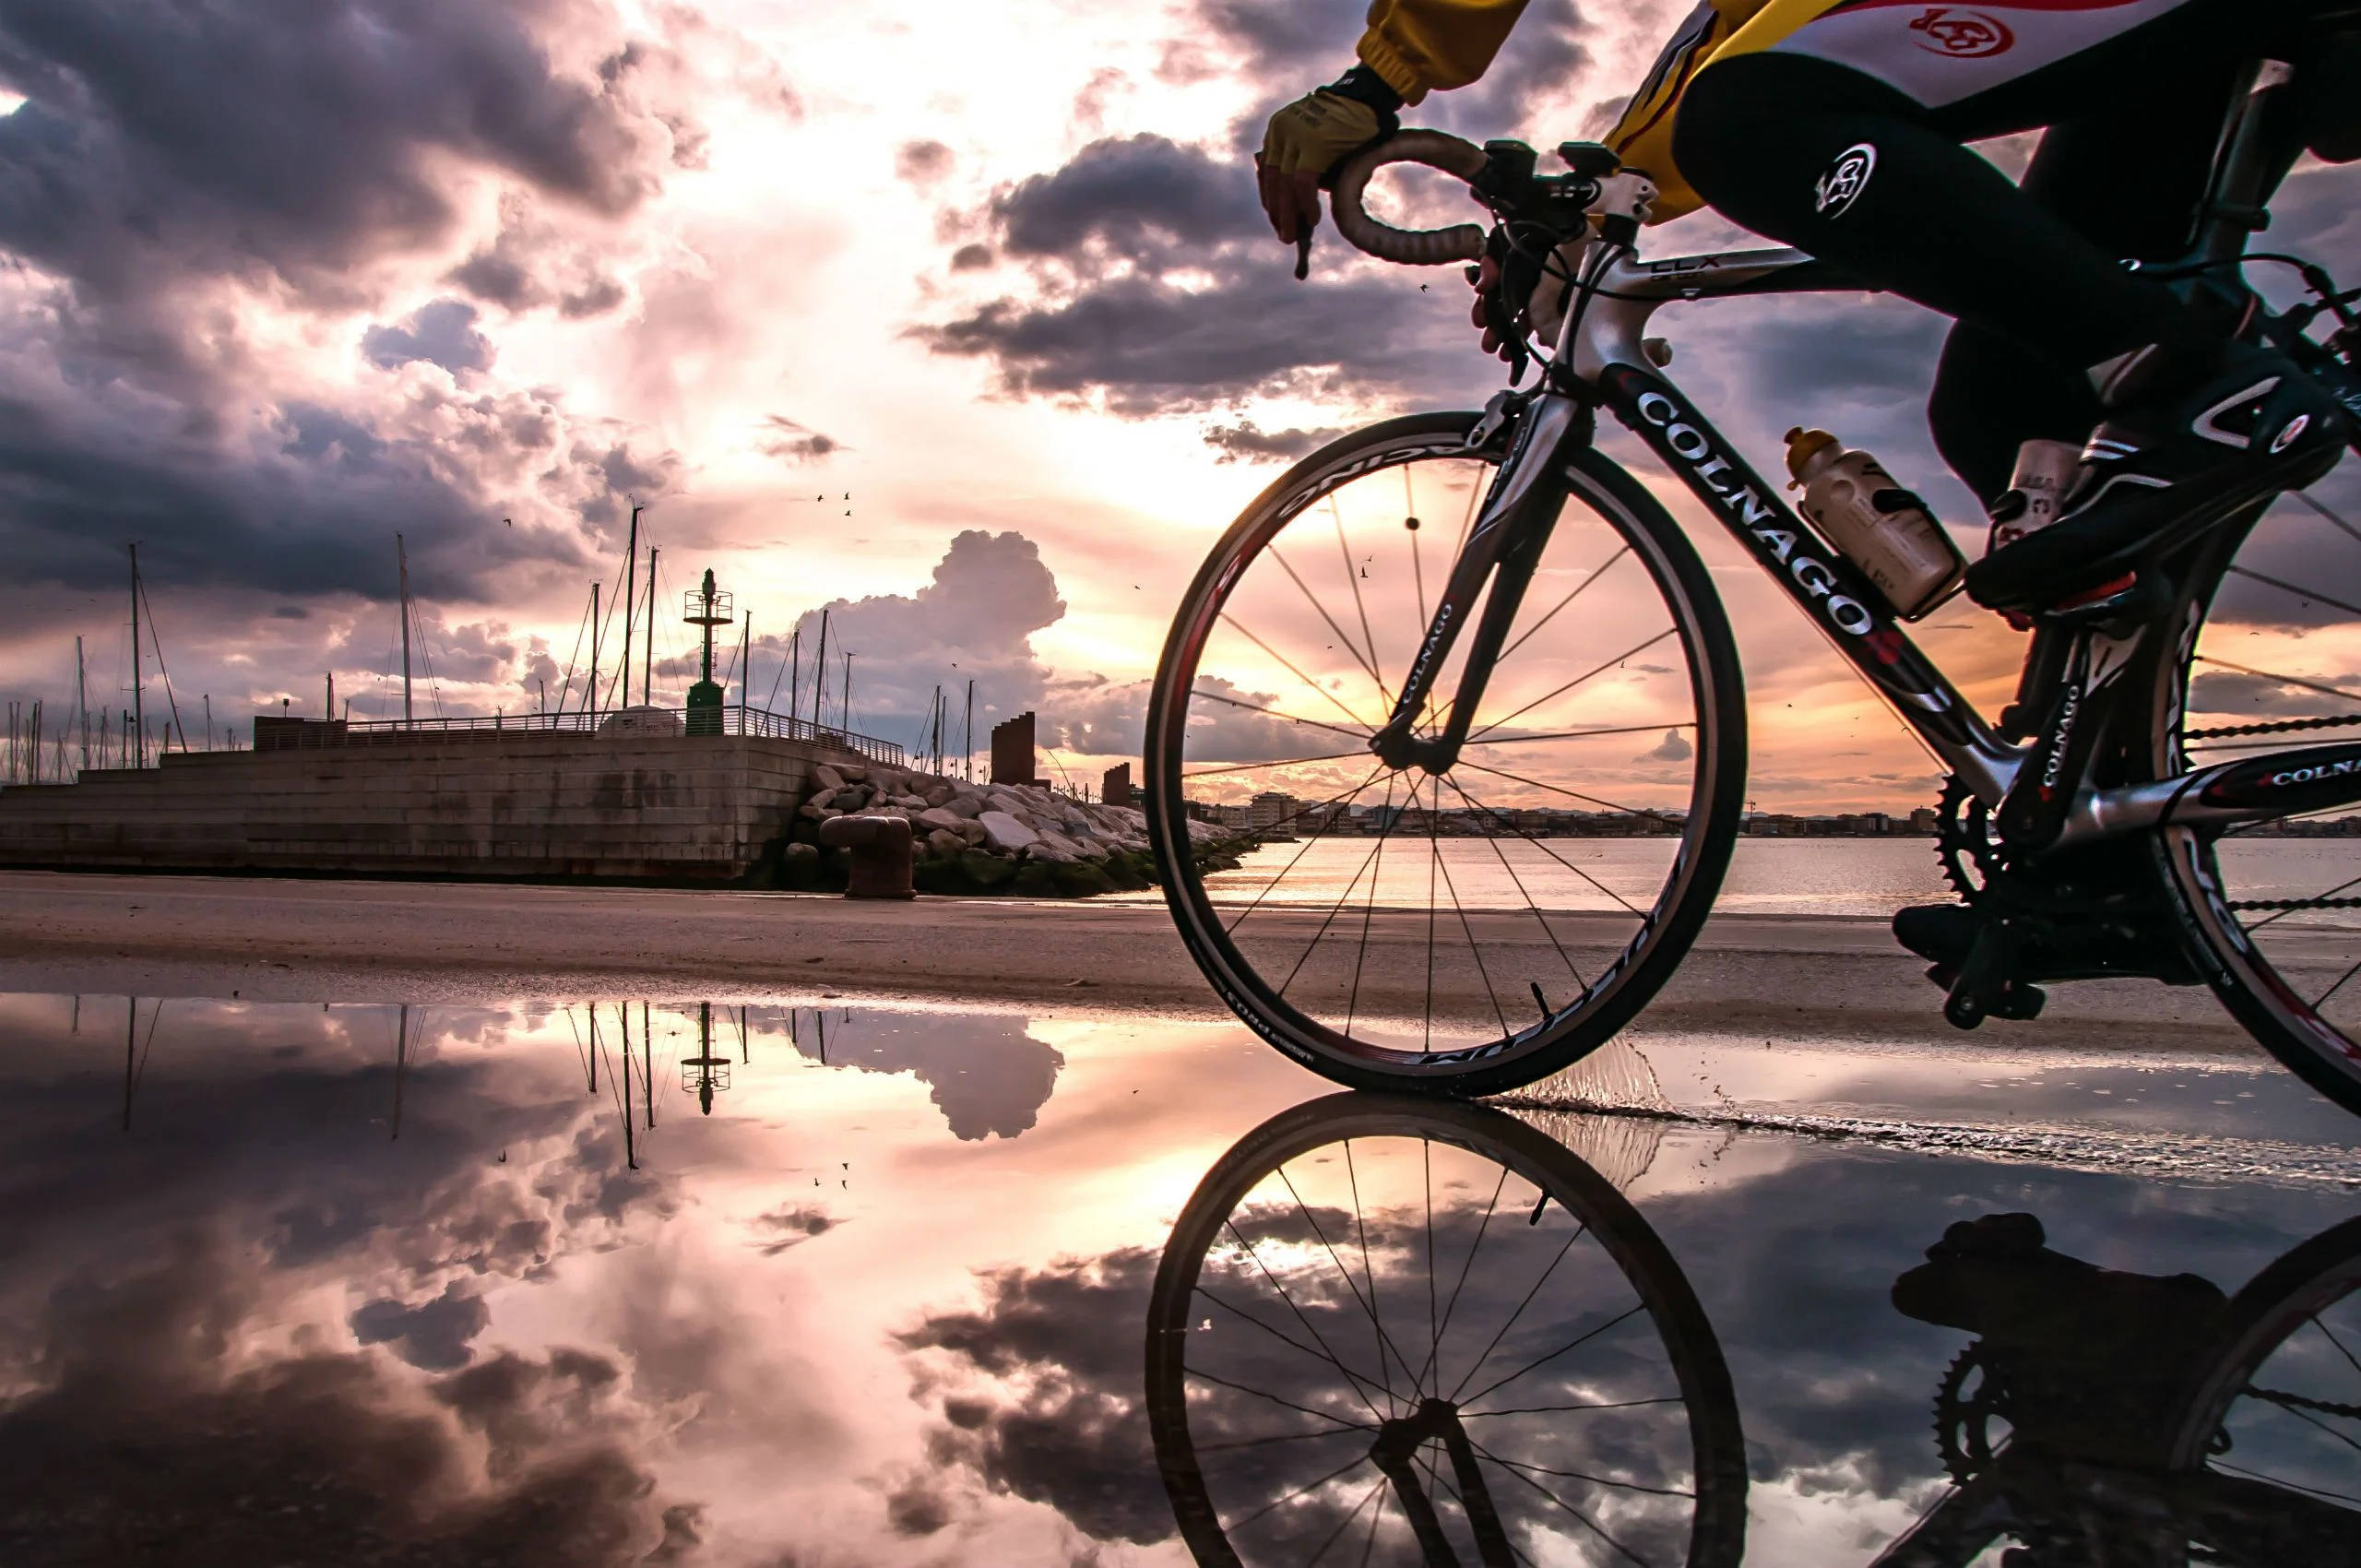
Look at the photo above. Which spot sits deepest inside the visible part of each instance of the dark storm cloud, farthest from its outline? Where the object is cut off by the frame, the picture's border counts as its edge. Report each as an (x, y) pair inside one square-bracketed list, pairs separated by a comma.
[(442, 332), (166, 140), (433, 1334), (169, 156), (1157, 285), (1122, 241)]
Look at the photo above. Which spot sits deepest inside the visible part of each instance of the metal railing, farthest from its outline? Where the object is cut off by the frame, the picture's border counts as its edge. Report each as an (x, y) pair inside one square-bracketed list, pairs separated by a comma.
[(274, 733)]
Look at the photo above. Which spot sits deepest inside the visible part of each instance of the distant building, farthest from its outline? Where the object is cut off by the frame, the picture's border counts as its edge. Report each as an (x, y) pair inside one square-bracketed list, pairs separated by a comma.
[(1273, 810), (1115, 787), (1013, 748)]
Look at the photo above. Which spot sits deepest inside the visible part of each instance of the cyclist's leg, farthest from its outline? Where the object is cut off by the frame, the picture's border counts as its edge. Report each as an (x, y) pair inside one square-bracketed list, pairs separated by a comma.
[(2126, 174)]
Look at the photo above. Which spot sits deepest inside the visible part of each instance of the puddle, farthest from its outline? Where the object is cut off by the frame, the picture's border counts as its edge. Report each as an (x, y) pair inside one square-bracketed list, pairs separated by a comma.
[(821, 1282)]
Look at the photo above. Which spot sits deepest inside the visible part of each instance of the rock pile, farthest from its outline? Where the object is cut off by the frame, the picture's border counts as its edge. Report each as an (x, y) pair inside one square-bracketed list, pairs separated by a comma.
[(985, 837)]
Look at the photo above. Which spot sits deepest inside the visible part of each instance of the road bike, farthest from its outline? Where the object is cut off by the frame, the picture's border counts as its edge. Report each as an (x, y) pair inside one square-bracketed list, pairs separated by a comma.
[(1392, 1330), (1494, 798)]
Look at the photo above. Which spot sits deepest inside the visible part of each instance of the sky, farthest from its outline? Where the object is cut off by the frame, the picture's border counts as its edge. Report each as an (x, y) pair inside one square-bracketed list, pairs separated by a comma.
[(957, 321)]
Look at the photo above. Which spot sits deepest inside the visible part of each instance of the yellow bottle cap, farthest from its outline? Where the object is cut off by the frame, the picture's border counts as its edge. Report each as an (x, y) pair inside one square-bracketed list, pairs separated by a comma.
[(1803, 445)]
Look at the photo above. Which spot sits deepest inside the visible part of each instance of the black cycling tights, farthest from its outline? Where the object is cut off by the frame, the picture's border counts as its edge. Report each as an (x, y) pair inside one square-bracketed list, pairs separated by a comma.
[(2033, 273)]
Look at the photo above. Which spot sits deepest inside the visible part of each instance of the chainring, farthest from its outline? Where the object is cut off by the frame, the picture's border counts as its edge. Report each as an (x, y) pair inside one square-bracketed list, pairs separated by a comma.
[(1965, 1438), (1967, 842)]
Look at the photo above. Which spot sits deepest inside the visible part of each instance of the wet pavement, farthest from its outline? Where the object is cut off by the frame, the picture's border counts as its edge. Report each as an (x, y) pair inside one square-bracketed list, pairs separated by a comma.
[(760, 1283)]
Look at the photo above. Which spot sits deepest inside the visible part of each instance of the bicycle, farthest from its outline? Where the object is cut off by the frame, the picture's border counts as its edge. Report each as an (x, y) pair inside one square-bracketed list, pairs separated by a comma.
[(2107, 833), (1361, 1346)]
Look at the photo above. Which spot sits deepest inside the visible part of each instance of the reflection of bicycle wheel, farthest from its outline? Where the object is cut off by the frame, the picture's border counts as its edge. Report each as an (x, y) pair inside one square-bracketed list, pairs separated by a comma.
[(1394, 1331), (2276, 1418)]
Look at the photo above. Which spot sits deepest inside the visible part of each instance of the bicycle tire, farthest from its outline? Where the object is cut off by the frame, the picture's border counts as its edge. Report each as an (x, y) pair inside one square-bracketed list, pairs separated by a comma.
[(2258, 1319), (2270, 1007), (1610, 494), (1708, 1393)]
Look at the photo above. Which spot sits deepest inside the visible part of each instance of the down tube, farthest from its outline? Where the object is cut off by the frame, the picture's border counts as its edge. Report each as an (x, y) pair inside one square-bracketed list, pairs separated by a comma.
[(1829, 590)]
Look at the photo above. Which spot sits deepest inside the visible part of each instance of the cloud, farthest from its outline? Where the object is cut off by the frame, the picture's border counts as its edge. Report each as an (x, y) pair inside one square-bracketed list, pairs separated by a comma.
[(240, 135), (785, 439), (443, 333), (433, 1334), (973, 620), (922, 163), (183, 184), (1247, 442), (1674, 747)]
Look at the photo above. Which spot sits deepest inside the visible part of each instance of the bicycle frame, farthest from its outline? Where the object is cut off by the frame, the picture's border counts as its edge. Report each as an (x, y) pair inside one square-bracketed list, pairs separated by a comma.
[(1601, 361)]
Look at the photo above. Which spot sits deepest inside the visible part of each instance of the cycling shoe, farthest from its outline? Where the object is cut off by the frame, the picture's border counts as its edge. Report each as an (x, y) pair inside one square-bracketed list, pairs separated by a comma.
[(2056, 948), (2168, 464)]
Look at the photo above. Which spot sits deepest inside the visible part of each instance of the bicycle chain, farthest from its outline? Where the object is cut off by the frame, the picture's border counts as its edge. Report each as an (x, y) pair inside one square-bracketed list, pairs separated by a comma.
[(2241, 904), (2282, 727)]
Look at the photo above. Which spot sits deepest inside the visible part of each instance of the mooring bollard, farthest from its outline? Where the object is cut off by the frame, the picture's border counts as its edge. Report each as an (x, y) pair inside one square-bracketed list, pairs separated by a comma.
[(879, 849)]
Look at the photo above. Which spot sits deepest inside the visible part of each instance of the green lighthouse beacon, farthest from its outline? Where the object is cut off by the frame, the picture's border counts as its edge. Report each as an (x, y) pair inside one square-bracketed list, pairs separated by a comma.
[(708, 608)]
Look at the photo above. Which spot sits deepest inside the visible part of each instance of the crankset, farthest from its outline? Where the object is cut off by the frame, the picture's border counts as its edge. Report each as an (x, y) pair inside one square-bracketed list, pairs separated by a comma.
[(2091, 914)]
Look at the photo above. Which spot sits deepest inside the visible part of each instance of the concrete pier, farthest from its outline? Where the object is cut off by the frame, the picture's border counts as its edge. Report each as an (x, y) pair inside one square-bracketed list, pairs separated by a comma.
[(523, 805)]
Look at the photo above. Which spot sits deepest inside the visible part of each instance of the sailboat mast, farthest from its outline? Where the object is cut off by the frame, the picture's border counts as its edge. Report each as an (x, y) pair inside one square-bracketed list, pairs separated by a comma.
[(139, 722), (401, 559), (590, 703), (820, 677), (648, 673), (82, 702), (631, 599)]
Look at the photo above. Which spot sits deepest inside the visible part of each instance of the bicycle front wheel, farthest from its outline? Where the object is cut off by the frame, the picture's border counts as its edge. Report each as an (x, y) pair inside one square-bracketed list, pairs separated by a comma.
[(1471, 930)]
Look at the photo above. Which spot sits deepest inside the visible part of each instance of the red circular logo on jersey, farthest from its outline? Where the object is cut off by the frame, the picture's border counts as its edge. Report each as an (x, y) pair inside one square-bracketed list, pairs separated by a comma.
[(1964, 35)]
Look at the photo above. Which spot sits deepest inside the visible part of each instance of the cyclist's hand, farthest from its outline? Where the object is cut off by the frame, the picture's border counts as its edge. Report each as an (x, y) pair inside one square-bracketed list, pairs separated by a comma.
[(1305, 140), (1538, 295), (1484, 316)]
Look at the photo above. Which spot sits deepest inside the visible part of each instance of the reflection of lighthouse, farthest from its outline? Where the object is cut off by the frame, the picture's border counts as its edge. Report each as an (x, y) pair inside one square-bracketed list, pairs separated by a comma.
[(703, 1073)]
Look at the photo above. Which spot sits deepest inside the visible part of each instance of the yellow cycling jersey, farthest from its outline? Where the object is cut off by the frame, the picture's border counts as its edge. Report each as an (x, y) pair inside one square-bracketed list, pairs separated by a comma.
[(1422, 46)]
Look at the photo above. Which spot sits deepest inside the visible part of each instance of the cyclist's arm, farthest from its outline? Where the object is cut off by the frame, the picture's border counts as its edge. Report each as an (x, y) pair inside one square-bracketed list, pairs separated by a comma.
[(1422, 46)]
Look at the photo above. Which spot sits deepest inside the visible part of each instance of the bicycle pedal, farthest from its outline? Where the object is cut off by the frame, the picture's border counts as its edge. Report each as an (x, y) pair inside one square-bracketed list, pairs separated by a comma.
[(1985, 984)]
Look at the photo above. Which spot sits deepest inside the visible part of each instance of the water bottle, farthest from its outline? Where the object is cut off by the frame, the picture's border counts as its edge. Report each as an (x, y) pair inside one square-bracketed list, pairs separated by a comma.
[(1879, 527)]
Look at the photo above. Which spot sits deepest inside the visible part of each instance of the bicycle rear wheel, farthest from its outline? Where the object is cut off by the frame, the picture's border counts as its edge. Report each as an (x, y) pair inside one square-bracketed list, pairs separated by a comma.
[(1470, 932), (2254, 658)]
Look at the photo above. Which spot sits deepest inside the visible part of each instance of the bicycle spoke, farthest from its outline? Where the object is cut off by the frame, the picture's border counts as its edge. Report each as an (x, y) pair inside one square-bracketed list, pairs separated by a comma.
[(1417, 570), (1321, 1354), (1369, 667), (1570, 794), (1288, 1404), (1592, 1524), (1303, 1490), (2323, 999), (1434, 860), (1485, 1354), (1369, 1272), (2306, 595), (1500, 821), (2228, 1469), (1345, 1522), (2350, 1360), (1577, 681), (1582, 1476), (1427, 1178), (1326, 1354), (2282, 680), (1347, 798), (1204, 1448), (1384, 1341), (1450, 1308), (1369, 911), (1290, 762), (1361, 734), (1354, 582), (1494, 840), (1620, 552), (2350, 531), (1562, 1409), (1585, 734), (1544, 1360), (1475, 949), (1376, 850), (1376, 1518)]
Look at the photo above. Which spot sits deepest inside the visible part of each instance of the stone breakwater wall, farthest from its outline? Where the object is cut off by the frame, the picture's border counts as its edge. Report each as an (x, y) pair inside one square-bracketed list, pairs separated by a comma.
[(986, 838)]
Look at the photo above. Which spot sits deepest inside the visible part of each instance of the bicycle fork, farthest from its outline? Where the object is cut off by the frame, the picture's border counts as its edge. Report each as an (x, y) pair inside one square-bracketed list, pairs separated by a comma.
[(1502, 549)]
